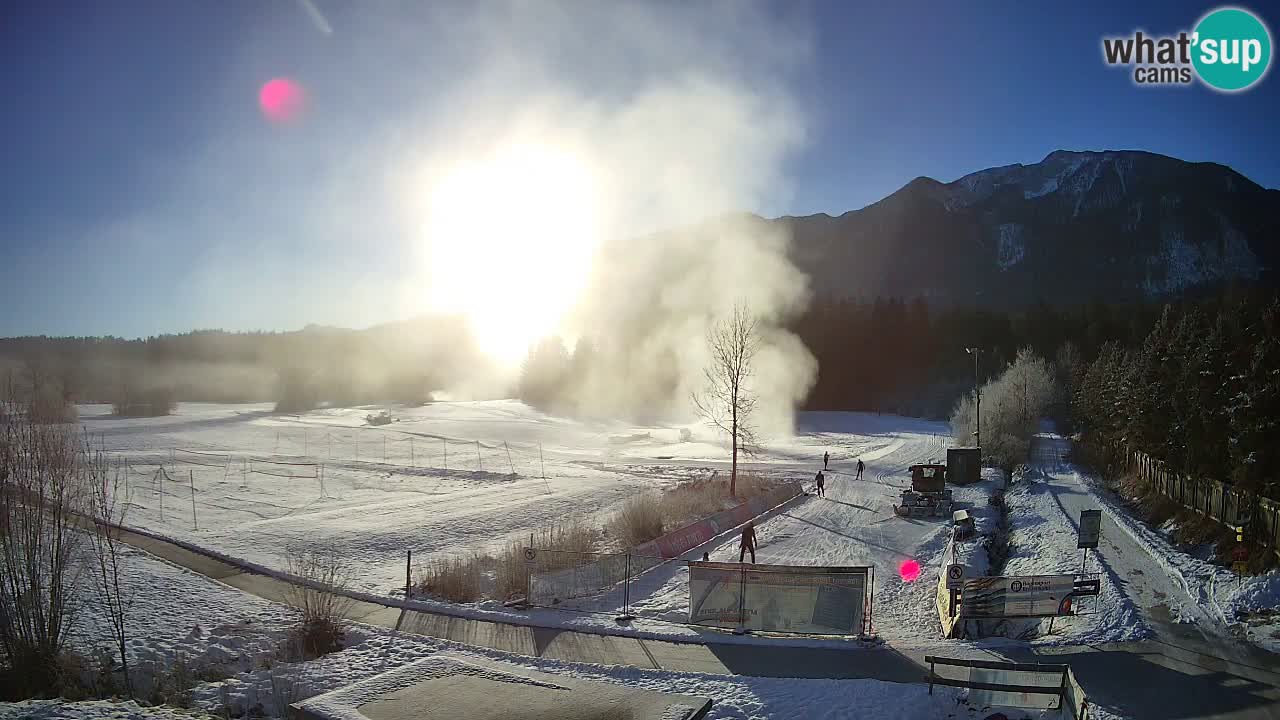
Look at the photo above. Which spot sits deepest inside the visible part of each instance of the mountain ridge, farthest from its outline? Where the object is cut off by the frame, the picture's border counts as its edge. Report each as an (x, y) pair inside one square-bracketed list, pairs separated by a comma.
[(1126, 224)]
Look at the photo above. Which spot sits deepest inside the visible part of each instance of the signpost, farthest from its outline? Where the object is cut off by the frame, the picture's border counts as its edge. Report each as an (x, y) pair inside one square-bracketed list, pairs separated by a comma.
[(1239, 558), (955, 576), (1090, 534)]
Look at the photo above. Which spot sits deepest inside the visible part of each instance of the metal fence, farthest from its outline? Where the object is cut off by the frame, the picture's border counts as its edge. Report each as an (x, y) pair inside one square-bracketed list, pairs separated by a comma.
[(555, 576), (1007, 684), (781, 598)]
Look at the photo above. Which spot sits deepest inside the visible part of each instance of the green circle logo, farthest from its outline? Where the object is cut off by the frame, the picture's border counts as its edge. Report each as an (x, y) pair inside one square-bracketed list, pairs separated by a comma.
[(1232, 49)]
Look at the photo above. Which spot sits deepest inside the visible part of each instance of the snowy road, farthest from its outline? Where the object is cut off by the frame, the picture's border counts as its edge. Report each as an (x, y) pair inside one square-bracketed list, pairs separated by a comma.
[(1187, 668)]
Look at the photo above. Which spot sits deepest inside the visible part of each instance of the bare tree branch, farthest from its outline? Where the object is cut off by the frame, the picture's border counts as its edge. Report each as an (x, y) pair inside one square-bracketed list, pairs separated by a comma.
[(727, 400)]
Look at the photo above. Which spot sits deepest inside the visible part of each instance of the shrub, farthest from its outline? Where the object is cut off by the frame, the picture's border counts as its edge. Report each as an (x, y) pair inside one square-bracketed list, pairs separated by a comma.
[(321, 598), (46, 478), (49, 406), (156, 402), (297, 392)]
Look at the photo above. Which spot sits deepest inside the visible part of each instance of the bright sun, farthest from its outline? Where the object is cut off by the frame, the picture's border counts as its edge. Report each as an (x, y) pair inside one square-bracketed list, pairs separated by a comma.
[(510, 240)]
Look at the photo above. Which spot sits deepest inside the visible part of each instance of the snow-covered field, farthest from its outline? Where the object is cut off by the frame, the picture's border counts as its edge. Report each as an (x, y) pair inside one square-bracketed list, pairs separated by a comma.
[(421, 499)]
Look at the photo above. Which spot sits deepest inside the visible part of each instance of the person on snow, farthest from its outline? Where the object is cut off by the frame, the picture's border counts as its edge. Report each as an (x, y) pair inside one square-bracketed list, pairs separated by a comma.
[(748, 542), (821, 480), (860, 466), (825, 458)]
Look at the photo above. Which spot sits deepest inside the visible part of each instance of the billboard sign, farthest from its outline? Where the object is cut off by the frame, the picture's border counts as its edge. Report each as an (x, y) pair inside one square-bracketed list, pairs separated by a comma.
[(1090, 528), (1025, 596), (779, 598)]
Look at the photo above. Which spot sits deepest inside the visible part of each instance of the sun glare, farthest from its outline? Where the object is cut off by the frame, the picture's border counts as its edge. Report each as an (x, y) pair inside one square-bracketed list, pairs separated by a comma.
[(510, 239)]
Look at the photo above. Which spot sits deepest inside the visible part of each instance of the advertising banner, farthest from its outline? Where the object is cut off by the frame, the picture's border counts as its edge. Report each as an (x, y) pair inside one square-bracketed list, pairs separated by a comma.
[(779, 598), (1027, 596)]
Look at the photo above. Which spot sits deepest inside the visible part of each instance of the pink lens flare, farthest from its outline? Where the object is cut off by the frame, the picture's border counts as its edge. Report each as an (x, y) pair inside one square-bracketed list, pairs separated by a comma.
[(909, 570), (282, 100)]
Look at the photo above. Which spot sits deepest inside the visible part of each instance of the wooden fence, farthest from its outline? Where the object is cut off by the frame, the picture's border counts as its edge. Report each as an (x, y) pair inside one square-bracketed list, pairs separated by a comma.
[(1222, 502)]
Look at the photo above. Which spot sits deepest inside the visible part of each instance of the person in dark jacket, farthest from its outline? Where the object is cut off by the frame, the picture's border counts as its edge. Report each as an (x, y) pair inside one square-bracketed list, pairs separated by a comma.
[(821, 480), (748, 542), (860, 466), (826, 457)]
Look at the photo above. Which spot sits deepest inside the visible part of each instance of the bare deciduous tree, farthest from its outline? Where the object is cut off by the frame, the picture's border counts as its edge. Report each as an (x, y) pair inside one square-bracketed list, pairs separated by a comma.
[(108, 515), (727, 401), (44, 490)]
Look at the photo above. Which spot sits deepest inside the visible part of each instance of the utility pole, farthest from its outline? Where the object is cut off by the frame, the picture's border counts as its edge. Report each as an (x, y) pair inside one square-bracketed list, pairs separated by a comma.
[(977, 391)]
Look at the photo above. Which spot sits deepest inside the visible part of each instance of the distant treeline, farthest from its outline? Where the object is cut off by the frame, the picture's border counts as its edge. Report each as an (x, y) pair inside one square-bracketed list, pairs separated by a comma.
[(1201, 392), (891, 355), (395, 362)]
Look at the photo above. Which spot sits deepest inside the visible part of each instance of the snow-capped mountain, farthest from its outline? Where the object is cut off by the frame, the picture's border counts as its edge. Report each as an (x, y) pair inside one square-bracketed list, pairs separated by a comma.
[(1073, 227)]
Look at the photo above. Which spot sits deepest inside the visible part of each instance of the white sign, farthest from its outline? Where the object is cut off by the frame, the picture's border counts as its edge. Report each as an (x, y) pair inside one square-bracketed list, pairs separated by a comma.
[(955, 576), (1025, 596), (778, 598), (530, 556), (1090, 528)]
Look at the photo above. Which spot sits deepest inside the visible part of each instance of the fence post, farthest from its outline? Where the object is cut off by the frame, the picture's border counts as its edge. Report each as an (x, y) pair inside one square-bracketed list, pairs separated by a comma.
[(932, 672), (479, 462), (511, 464), (408, 583), (626, 617), (445, 443), (542, 462), (320, 474), (742, 592), (160, 479), (191, 477), (528, 579), (412, 462)]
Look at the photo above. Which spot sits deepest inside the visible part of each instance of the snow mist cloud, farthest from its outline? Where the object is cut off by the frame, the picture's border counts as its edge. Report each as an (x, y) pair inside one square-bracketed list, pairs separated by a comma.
[(679, 113)]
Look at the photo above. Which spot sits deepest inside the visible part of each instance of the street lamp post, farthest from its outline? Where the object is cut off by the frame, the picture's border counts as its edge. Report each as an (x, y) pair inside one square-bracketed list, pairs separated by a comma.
[(977, 391)]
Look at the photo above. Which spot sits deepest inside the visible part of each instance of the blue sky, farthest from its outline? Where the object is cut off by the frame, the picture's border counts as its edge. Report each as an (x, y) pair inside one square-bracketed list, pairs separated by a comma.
[(144, 192)]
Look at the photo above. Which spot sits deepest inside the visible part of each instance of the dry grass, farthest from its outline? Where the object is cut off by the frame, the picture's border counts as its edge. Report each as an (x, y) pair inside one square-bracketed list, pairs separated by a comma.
[(647, 516), (455, 579), (473, 577), (638, 521), (323, 601)]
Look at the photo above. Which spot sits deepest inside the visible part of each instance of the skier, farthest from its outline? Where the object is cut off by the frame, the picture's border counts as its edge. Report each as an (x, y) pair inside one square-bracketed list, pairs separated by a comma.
[(821, 480), (748, 542), (825, 457), (706, 557), (860, 466)]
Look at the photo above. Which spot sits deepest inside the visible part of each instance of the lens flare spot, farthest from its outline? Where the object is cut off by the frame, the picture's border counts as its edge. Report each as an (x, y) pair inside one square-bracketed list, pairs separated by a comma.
[(282, 100), (909, 570)]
